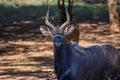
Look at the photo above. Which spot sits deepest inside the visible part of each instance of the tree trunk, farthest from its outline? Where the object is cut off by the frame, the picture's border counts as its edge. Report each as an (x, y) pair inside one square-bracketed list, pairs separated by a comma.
[(61, 8), (70, 7), (113, 16)]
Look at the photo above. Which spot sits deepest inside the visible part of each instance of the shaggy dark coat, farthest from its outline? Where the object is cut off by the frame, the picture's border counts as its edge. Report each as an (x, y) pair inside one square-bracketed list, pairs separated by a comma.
[(73, 62)]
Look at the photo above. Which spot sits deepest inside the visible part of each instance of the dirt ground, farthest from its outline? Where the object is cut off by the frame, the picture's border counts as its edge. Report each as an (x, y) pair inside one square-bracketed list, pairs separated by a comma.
[(27, 55)]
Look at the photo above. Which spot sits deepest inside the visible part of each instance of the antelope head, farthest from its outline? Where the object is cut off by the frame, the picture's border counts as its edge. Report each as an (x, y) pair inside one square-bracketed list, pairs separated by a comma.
[(57, 32)]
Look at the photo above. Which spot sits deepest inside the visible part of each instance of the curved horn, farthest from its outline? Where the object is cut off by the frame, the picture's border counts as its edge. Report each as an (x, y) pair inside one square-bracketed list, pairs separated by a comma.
[(50, 25), (68, 19)]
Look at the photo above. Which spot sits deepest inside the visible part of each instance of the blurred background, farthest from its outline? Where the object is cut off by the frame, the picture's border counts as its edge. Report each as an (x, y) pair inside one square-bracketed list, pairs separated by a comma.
[(28, 55)]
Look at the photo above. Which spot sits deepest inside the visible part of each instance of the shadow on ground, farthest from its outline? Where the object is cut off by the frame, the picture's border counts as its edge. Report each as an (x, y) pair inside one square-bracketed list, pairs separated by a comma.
[(28, 55), (28, 70)]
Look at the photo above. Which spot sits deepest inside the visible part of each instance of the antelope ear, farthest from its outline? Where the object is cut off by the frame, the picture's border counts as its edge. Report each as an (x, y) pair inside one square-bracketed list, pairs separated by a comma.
[(69, 29), (45, 30)]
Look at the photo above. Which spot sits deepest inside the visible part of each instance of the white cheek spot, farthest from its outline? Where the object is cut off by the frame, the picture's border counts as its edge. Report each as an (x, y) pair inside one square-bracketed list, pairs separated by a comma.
[(116, 78)]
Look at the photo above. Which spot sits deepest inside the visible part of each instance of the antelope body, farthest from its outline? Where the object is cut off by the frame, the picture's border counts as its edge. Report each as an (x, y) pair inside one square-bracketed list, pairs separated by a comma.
[(74, 62)]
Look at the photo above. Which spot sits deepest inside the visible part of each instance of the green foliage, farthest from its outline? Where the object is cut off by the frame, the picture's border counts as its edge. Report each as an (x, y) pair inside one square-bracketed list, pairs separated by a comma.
[(90, 12), (38, 8), (27, 2)]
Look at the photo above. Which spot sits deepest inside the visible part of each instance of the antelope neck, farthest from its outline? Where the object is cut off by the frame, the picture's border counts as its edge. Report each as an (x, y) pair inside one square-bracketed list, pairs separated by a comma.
[(62, 58)]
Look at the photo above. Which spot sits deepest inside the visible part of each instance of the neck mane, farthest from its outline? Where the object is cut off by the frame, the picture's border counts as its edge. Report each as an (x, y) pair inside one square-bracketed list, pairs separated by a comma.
[(61, 59)]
